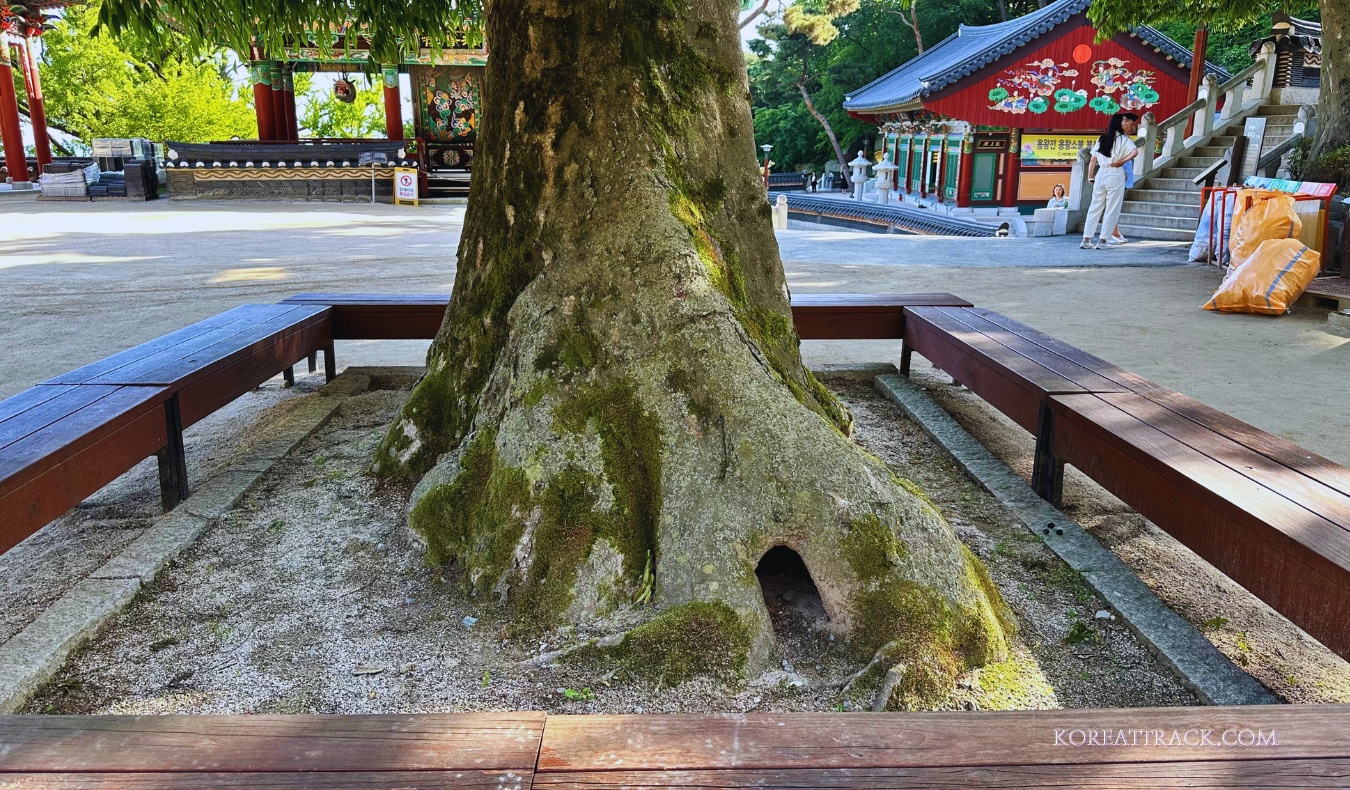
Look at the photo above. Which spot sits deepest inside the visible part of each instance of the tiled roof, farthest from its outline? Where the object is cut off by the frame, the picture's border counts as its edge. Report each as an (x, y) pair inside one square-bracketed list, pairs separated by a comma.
[(971, 48)]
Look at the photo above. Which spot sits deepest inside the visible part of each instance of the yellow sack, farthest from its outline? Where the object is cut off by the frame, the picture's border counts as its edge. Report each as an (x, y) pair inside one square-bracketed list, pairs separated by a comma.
[(1269, 281), (1273, 217)]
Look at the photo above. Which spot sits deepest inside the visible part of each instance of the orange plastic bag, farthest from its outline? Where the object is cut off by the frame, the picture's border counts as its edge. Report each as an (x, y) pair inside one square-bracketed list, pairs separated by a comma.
[(1273, 217), (1270, 279)]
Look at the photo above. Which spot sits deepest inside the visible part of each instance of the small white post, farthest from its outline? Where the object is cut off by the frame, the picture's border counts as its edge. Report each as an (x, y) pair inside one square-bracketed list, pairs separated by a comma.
[(1149, 146), (1209, 91), (780, 213), (1264, 80)]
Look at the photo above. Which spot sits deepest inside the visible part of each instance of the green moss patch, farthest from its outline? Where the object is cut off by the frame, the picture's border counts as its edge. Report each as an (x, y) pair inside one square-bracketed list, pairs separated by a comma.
[(695, 639), (933, 639), (872, 549)]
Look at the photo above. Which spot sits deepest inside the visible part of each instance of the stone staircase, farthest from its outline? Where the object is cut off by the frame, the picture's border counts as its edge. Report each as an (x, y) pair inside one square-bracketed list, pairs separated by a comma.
[(1165, 204)]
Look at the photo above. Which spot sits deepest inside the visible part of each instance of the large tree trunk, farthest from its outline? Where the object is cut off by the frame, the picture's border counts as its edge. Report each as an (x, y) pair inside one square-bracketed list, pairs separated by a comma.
[(1333, 107), (616, 400)]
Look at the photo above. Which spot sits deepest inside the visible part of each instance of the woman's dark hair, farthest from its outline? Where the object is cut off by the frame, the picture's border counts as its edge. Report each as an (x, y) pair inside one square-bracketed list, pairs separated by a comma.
[(1108, 139)]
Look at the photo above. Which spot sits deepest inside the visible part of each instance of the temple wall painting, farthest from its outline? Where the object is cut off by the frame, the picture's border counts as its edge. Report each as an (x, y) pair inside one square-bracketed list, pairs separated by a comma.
[(447, 102)]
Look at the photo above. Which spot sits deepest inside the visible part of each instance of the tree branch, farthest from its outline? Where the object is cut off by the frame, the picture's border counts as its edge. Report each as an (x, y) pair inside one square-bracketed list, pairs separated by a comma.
[(762, 6), (825, 122)]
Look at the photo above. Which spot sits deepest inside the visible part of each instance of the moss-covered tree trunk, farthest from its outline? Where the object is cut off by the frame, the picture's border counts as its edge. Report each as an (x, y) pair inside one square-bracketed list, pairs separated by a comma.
[(615, 408), (1333, 107)]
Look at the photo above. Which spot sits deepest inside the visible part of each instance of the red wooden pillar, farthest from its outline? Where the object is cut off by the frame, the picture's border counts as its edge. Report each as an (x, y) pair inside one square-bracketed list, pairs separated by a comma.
[(942, 170), (393, 105), (277, 82), (1014, 170), (292, 122), (11, 137), (37, 111), (263, 104), (1198, 55), (965, 173)]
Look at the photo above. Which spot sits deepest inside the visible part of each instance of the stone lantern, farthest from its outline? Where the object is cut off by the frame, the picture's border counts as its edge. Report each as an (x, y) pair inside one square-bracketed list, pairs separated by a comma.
[(859, 166), (885, 173)]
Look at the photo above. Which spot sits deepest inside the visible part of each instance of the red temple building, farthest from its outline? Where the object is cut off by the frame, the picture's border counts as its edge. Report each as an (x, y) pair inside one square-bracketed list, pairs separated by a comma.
[(995, 115)]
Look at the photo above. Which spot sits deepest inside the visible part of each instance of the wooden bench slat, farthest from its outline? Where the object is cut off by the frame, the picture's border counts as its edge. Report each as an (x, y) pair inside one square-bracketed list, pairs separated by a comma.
[(185, 337), (428, 742), (1191, 470), (991, 352), (1107, 775), (1059, 364), (1130, 381), (299, 780), (58, 441), (22, 402), (1324, 471), (176, 367), (897, 740), (49, 404), (167, 365), (1301, 491)]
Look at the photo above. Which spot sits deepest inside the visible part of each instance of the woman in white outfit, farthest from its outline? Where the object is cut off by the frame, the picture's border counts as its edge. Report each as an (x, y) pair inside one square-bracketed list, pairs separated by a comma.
[(1114, 148)]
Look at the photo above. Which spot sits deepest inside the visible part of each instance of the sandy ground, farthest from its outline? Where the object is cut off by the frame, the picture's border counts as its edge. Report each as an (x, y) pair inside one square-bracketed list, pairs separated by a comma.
[(312, 597), (40, 569)]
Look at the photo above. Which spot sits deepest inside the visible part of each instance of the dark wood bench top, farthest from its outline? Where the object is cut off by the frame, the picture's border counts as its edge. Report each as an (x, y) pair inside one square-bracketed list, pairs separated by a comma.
[(1273, 520), (61, 443), (1010, 365), (214, 361), (177, 357)]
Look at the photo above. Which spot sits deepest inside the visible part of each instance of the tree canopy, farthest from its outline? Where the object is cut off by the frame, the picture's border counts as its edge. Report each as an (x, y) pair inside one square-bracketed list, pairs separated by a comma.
[(240, 24), (120, 85)]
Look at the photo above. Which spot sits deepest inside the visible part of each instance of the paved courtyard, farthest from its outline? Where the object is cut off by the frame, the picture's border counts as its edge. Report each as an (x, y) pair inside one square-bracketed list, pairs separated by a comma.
[(81, 281)]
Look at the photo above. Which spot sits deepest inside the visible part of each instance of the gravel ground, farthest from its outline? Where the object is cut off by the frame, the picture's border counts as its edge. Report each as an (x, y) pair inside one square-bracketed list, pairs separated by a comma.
[(40, 569), (312, 597), (1293, 665)]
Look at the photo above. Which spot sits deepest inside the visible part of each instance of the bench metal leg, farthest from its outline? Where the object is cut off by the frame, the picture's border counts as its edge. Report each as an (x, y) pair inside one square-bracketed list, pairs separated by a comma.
[(288, 377), (906, 353), (329, 363), (1047, 473), (173, 479), (313, 362)]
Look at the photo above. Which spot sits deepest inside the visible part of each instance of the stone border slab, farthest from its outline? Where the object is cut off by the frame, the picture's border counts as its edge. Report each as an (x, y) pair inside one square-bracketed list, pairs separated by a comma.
[(32, 656), (1200, 666)]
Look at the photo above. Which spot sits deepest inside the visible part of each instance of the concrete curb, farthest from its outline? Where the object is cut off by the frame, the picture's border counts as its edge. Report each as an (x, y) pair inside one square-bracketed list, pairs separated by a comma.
[(32, 656), (1177, 643)]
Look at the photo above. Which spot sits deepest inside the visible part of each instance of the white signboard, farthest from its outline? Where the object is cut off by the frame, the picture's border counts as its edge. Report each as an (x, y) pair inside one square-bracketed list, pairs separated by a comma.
[(405, 185)]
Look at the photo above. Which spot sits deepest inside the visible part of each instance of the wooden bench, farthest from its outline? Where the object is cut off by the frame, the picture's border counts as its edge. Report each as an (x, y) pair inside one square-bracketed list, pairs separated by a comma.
[(1268, 514), (69, 436), (1277, 746), (817, 316), (61, 443)]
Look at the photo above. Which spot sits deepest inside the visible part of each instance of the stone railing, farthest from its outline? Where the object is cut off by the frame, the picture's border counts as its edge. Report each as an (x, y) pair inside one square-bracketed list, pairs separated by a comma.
[(1237, 97)]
